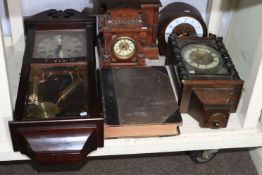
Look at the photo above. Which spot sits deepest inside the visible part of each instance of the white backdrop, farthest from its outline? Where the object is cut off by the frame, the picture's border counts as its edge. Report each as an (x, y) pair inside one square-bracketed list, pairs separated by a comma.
[(201, 5), (5, 26), (31, 7)]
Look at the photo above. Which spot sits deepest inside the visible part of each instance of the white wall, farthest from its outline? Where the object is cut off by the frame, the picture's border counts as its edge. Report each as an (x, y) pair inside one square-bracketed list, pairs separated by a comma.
[(5, 21), (244, 43), (200, 5), (31, 7), (244, 34)]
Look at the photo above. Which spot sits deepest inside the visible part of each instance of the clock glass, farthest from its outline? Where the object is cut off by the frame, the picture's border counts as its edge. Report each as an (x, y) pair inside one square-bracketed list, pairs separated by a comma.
[(60, 44), (124, 48), (203, 59)]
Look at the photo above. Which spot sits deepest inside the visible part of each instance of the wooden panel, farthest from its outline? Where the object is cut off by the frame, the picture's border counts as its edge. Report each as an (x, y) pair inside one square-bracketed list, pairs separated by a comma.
[(48, 146), (141, 131), (57, 141)]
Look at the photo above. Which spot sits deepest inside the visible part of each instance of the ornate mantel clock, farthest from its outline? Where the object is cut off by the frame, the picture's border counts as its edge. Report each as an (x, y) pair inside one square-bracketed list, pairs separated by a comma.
[(181, 19), (57, 118), (207, 83), (128, 33)]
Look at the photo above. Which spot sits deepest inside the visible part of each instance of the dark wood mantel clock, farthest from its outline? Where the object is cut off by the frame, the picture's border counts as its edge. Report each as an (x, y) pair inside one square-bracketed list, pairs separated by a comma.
[(57, 117), (128, 32), (181, 19), (207, 83)]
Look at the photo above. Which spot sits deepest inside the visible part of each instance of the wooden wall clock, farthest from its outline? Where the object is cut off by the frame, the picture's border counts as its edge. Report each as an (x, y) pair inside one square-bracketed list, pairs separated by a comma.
[(181, 19), (207, 83), (128, 34), (57, 116)]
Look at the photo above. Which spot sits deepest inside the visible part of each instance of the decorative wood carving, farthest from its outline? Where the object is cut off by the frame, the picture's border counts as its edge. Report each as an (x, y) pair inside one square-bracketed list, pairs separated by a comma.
[(211, 95), (128, 35)]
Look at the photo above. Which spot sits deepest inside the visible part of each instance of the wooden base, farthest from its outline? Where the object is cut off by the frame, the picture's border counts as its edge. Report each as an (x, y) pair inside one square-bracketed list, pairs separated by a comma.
[(125, 131)]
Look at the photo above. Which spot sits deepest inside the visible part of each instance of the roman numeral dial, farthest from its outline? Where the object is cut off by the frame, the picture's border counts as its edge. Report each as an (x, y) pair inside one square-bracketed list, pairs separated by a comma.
[(124, 48), (201, 56)]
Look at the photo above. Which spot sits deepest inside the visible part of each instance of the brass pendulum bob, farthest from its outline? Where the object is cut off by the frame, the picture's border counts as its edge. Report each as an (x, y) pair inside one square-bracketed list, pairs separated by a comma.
[(42, 110), (48, 110), (45, 110)]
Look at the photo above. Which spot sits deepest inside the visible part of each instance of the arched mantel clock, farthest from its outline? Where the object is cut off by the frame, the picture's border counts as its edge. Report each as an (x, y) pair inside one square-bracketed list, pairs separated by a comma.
[(181, 19)]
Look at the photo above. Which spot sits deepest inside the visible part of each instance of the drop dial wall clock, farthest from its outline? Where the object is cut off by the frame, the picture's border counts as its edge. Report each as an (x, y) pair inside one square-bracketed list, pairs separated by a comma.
[(57, 117), (181, 19), (206, 80)]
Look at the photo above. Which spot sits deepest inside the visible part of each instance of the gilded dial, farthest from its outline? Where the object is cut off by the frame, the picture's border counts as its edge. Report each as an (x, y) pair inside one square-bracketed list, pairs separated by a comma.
[(60, 44), (201, 56), (124, 48)]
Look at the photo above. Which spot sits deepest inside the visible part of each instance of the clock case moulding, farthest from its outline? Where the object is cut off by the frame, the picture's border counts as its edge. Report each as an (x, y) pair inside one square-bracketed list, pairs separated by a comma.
[(208, 98), (172, 12), (136, 22), (63, 139)]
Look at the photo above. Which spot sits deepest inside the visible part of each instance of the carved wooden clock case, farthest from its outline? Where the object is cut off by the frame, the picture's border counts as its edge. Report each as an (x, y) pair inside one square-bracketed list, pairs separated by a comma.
[(57, 117), (128, 33), (207, 83)]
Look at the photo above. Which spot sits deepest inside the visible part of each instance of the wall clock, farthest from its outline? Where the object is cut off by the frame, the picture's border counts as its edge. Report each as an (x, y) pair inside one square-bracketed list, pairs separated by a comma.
[(128, 33), (57, 117), (181, 19), (207, 83)]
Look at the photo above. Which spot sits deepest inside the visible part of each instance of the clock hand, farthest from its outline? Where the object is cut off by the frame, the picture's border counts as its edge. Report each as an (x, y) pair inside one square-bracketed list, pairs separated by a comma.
[(58, 51), (59, 48), (206, 56)]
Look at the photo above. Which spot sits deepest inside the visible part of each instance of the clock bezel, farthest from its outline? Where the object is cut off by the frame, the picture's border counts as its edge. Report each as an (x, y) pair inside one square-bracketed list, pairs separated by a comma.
[(124, 58), (207, 71), (176, 59), (63, 33), (203, 27)]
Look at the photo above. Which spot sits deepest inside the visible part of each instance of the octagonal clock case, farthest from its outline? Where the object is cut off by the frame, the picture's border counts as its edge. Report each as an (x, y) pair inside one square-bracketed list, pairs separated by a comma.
[(206, 80), (57, 117)]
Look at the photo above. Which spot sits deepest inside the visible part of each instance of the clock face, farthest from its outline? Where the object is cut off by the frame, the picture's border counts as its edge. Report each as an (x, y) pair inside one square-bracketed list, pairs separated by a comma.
[(184, 25), (124, 48), (60, 44), (200, 58)]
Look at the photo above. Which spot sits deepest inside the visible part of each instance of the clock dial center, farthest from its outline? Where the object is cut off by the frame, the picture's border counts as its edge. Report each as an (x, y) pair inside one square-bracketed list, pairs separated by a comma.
[(124, 48), (184, 30), (201, 56)]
